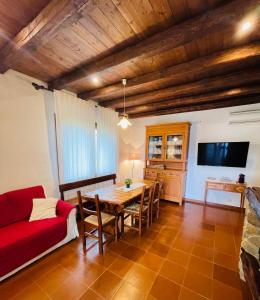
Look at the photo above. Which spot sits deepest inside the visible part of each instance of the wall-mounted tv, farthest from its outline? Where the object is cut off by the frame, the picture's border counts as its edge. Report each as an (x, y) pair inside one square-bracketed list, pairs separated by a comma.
[(225, 154)]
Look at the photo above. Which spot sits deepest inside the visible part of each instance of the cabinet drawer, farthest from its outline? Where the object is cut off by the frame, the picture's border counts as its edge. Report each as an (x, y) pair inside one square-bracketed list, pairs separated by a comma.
[(150, 174), (216, 186), (234, 188)]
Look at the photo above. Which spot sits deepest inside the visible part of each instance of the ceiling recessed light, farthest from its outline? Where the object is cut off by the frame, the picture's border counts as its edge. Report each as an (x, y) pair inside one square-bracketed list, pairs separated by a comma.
[(95, 80), (246, 26)]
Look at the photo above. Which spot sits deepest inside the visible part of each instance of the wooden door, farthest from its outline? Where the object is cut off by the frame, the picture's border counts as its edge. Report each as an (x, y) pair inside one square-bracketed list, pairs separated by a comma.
[(173, 188)]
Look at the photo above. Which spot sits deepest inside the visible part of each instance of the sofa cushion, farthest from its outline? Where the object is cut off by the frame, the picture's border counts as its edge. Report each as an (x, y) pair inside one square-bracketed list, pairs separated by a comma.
[(21, 202), (5, 211), (22, 241), (43, 208)]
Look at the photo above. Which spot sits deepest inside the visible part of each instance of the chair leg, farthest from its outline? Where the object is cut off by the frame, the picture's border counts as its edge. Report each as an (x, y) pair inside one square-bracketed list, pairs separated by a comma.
[(122, 224), (100, 241), (116, 229), (84, 239), (151, 213), (148, 218), (158, 208), (132, 220), (140, 225)]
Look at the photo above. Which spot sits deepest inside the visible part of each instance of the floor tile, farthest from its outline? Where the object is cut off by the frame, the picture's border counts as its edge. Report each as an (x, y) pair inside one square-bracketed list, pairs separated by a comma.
[(187, 294), (107, 284), (151, 261), (178, 256), (129, 292), (90, 295), (183, 245), (140, 277), (226, 276), (72, 289), (227, 261), (133, 253), (163, 289), (203, 252), (201, 266), (31, 292), (222, 291), (173, 271), (198, 283), (159, 249), (121, 266)]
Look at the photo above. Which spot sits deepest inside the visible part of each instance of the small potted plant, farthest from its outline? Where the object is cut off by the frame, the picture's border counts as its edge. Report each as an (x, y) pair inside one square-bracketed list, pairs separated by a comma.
[(128, 182)]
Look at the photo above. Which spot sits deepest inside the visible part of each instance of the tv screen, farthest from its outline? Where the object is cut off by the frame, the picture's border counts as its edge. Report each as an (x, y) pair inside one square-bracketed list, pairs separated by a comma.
[(233, 154)]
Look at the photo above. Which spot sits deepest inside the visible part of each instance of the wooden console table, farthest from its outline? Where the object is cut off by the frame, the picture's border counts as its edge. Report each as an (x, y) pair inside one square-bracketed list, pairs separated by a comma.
[(232, 187)]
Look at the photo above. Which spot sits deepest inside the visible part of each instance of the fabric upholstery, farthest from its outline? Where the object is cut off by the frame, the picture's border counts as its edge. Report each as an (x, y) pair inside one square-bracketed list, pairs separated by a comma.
[(21, 202), (5, 211), (135, 208), (25, 240), (43, 208), (63, 209), (106, 218)]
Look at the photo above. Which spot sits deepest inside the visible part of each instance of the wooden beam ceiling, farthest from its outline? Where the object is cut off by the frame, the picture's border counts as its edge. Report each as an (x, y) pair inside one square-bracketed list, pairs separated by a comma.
[(56, 14), (198, 99), (225, 17), (211, 65), (206, 85), (199, 107)]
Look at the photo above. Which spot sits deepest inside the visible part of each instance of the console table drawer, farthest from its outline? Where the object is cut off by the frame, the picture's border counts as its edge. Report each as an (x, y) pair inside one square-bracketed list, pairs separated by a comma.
[(234, 188), (216, 186)]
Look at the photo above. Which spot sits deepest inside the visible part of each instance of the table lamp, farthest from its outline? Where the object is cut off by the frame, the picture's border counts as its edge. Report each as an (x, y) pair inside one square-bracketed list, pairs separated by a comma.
[(133, 156)]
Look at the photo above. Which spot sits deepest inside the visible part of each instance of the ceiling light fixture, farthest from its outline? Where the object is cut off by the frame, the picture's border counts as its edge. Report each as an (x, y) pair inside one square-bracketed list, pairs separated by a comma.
[(124, 122), (247, 25), (95, 80)]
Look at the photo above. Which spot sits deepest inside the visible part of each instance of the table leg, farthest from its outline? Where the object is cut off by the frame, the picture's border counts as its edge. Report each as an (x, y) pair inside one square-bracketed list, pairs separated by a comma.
[(242, 200), (122, 224), (205, 196)]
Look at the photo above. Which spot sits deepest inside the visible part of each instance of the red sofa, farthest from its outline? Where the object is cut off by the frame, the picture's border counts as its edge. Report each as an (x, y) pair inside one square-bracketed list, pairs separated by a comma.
[(20, 240)]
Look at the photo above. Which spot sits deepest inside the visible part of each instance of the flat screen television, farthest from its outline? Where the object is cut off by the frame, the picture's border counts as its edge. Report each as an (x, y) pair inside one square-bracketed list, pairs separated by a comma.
[(225, 154)]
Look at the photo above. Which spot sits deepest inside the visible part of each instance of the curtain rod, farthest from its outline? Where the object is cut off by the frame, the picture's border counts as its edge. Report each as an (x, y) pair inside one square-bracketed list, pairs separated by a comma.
[(41, 87)]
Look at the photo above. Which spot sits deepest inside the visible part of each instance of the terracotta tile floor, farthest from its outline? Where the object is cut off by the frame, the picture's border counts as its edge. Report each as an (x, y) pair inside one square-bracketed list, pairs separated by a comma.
[(191, 253)]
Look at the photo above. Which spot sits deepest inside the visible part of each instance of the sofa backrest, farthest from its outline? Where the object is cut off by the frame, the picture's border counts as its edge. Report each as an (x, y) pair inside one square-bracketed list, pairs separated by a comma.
[(16, 205)]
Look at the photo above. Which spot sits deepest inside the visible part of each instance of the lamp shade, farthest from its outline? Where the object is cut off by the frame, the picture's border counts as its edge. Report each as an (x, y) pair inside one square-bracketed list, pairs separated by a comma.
[(134, 156)]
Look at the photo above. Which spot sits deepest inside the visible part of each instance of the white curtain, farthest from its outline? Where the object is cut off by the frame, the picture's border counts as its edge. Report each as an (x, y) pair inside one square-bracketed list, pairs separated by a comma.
[(106, 141), (75, 137)]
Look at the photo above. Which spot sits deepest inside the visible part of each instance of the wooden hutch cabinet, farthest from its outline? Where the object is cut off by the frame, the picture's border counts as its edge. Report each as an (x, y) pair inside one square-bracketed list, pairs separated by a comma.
[(166, 157)]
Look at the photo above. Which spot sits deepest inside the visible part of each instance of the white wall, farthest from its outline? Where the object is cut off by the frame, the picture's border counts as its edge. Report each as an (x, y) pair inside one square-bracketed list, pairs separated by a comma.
[(24, 148), (207, 126)]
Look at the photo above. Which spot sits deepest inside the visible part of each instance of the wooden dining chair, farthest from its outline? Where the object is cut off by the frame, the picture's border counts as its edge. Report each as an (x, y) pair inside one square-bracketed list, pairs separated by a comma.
[(155, 203), (97, 221), (139, 211)]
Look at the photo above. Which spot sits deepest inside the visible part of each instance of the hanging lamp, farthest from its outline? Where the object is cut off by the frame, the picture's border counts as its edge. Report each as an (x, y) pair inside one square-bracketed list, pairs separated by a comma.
[(124, 122)]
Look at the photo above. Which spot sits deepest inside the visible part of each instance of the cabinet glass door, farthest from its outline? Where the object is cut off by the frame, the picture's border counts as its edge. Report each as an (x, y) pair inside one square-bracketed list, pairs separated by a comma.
[(155, 147), (174, 147)]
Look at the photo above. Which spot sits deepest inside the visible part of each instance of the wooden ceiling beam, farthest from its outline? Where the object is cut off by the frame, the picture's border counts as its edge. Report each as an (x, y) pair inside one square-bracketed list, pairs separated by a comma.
[(203, 86), (200, 99), (225, 17), (199, 107), (57, 14), (212, 65)]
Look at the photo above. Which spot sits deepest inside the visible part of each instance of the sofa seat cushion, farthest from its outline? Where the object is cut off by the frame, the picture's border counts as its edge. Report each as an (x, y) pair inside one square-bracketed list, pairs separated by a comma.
[(6, 211), (22, 241)]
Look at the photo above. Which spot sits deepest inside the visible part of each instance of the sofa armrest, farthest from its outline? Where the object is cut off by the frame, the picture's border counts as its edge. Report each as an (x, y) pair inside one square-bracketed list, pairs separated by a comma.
[(63, 208)]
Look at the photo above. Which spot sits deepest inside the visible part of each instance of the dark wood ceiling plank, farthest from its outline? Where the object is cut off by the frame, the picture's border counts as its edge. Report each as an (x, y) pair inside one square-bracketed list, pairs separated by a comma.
[(222, 18), (200, 99), (200, 107), (215, 64), (232, 80), (41, 29)]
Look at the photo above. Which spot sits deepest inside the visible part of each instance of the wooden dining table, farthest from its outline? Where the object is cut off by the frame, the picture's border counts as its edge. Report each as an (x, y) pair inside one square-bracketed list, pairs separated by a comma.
[(116, 197)]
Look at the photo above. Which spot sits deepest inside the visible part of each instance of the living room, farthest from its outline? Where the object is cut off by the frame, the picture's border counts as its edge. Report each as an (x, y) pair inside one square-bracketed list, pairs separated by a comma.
[(130, 149)]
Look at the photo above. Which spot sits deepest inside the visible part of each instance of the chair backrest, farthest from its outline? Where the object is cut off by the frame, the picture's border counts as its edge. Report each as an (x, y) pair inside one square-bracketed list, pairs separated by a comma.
[(146, 196), (157, 190), (84, 211)]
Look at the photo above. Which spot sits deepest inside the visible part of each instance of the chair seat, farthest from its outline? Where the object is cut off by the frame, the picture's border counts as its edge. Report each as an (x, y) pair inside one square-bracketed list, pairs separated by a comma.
[(106, 218), (135, 208)]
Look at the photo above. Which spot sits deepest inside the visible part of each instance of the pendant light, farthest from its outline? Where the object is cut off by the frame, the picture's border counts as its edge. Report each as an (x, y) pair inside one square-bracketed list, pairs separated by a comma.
[(124, 122)]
